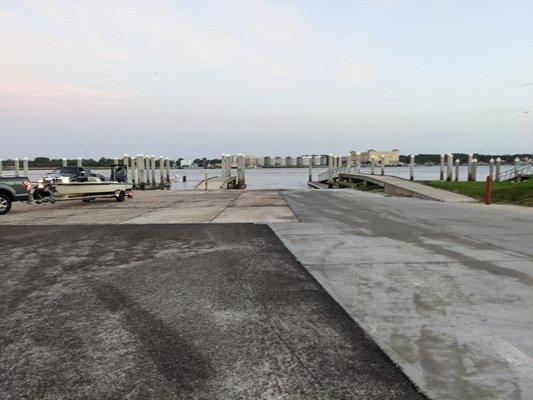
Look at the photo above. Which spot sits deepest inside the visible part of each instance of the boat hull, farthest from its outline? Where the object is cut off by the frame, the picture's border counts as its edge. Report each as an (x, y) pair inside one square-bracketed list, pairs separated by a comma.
[(80, 189)]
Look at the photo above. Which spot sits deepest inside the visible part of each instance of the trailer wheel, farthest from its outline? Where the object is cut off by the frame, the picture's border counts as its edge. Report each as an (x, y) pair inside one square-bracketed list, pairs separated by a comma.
[(121, 196), (5, 204)]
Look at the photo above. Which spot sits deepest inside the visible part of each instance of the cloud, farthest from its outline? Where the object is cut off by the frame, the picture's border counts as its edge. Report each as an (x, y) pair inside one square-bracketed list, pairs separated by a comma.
[(353, 73), (503, 110), (527, 84)]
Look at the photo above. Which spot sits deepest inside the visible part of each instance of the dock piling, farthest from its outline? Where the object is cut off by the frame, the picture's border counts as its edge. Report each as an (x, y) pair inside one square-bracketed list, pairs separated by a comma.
[(25, 166), (449, 167), (498, 165), (64, 162), (412, 167), (141, 171), (161, 172), (79, 163), (147, 171), (357, 162), (241, 166), (310, 171), (441, 167), (152, 168), (134, 172), (470, 161), (457, 163), (17, 167), (331, 163), (167, 165), (382, 165), (474, 170), (372, 165), (126, 162), (491, 168)]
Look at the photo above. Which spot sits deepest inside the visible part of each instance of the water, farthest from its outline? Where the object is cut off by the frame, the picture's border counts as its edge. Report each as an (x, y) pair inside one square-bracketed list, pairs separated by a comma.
[(286, 178)]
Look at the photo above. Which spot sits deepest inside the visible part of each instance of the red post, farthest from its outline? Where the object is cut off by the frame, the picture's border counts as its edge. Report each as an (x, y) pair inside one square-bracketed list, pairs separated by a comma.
[(488, 190)]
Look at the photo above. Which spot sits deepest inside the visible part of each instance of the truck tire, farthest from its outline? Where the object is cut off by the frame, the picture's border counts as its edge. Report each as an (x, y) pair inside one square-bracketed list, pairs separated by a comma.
[(121, 196), (5, 204)]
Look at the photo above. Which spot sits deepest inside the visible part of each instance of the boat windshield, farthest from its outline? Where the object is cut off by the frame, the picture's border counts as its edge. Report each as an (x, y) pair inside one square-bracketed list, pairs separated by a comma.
[(65, 170)]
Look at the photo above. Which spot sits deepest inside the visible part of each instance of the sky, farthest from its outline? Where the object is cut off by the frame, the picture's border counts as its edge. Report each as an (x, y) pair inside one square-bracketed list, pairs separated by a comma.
[(200, 78)]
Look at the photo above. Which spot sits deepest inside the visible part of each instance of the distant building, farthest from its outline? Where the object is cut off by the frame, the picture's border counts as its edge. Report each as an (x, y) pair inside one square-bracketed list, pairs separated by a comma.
[(389, 157), (279, 162), (250, 161), (290, 161)]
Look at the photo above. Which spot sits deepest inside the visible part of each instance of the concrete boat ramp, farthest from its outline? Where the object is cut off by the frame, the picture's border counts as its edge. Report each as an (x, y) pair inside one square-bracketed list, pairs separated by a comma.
[(293, 294)]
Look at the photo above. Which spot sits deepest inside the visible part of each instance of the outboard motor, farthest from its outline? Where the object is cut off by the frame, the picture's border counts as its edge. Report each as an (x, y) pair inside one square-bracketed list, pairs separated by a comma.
[(121, 174)]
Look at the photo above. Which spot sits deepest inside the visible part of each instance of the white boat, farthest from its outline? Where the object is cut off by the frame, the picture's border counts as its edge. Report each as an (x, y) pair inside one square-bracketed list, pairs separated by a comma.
[(80, 189), (68, 183)]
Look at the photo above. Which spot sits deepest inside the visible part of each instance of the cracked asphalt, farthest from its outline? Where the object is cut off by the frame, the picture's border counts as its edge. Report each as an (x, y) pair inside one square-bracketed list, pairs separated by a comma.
[(191, 311)]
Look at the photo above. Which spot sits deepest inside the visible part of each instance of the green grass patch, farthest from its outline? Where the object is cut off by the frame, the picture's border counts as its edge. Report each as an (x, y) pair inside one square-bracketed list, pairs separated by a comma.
[(520, 193)]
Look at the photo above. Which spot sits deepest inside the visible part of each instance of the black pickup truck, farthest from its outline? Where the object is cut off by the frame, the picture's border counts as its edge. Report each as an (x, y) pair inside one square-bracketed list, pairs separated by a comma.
[(13, 189)]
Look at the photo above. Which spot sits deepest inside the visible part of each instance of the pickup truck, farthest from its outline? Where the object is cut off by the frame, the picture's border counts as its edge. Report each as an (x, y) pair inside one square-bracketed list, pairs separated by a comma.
[(13, 189)]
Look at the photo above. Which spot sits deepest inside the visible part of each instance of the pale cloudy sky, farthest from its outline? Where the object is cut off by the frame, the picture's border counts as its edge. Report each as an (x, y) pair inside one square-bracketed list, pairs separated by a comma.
[(188, 78)]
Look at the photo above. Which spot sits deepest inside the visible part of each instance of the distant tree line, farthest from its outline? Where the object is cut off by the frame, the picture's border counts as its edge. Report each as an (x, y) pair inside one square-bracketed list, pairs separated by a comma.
[(463, 157), (201, 162), (45, 162)]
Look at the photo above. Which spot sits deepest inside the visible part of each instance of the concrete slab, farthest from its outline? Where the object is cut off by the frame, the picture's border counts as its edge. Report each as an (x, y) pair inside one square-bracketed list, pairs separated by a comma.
[(255, 214), (159, 207), (444, 289)]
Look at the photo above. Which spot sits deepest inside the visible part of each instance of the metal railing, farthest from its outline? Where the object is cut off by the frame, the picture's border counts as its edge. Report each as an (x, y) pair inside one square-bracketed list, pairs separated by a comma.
[(333, 173), (518, 171)]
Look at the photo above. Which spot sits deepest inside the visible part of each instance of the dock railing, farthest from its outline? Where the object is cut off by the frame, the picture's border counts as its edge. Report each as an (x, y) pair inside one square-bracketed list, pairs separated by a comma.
[(518, 172)]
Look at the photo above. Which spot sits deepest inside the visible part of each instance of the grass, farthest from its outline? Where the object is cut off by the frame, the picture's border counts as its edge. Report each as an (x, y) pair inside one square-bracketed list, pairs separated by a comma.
[(520, 193)]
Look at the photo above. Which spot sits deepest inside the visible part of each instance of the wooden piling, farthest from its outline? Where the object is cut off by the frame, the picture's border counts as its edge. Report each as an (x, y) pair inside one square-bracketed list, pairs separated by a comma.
[(126, 163), (357, 162), (64, 162), (498, 165), (141, 171), (474, 170), (152, 169), (441, 167), (372, 165), (25, 166), (147, 172), (331, 163), (161, 172), (79, 162), (241, 166), (449, 167), (412, 167), (167, 180), (470, 160), (491, 168), (310, 172), (382, 165), (17, 167), (457, 163), (134, 172)]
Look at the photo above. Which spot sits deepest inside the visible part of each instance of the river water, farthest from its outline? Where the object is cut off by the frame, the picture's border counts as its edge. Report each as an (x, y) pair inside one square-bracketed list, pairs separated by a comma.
[(287, 178)]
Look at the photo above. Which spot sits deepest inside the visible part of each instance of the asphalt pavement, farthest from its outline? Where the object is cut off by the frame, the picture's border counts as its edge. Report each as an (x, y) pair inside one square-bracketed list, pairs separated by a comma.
[(219, 311)]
